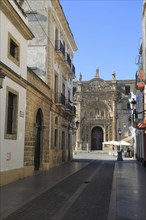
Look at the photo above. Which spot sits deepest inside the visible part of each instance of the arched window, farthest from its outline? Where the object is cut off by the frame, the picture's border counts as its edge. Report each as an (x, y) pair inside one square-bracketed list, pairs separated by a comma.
[(56, 120)]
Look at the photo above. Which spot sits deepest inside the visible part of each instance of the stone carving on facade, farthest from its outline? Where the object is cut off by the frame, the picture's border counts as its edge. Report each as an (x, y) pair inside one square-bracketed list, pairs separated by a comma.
[(96, 85), (99, 110), (109, 104), (114, 76)]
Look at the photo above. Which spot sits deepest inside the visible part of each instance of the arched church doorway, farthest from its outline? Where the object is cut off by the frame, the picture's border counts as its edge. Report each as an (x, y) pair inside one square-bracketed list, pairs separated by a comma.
[(96, 138), (37, 153)]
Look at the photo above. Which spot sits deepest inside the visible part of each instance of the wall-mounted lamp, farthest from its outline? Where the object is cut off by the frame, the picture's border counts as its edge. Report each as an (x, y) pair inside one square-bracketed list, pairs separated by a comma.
[(2, 76)]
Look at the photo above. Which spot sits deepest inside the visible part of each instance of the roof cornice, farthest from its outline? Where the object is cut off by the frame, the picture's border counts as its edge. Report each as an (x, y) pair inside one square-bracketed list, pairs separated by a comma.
[(15, 18), (143, 8)]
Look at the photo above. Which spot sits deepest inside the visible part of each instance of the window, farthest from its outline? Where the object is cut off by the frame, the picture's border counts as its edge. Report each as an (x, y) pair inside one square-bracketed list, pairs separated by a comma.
[(56, 34), (56, 120), (127, 90), (11, 114), (74, 90), (13, 50), (55, 138), (69, 95), (56, 89), (63, 89)]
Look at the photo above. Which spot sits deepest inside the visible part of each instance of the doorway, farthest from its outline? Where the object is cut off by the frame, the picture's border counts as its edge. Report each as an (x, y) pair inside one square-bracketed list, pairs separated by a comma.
[(37, 153), (63, 146), (96, 138)]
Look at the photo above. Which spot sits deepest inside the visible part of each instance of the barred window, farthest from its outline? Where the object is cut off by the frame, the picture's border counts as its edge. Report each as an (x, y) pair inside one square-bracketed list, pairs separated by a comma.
[(11, 114), (13, 50)]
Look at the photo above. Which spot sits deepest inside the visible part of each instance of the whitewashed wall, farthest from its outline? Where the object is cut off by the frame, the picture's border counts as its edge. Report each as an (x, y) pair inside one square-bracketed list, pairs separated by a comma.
[(5, 27), (12, 151)]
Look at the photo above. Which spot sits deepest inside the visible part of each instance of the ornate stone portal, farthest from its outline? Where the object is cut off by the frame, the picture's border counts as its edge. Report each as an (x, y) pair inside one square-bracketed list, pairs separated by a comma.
[(99, 104)]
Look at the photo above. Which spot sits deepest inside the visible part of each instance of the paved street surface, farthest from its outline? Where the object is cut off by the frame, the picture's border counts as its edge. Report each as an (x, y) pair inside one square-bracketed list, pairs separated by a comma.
[(94, 186)]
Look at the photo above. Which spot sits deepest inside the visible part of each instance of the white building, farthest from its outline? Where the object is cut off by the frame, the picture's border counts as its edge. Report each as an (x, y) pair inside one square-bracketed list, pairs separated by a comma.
[(140, 122), (14, 34)]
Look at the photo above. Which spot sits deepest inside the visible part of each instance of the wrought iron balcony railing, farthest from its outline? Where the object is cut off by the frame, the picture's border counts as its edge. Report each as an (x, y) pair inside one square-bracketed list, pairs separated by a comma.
[(59, 99), (69, 105), (68, 59), (73, 70), (59, 47), (66, 103)]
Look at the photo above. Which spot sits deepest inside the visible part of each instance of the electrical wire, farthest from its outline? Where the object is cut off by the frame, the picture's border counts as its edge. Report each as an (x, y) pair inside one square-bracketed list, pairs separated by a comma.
[(39, 23)]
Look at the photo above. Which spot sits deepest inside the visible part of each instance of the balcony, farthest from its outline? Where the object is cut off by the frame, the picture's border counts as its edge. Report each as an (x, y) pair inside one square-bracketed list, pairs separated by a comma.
[(68, 59), (64, 104), (70, 107), (69, 104), (59, 47), (60, 99), (73, 70), (70, 64)]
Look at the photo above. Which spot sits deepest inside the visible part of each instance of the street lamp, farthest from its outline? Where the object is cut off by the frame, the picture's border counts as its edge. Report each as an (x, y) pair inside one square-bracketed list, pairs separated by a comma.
[(134, 113), (120, 132), (120, 157), (2, 76)]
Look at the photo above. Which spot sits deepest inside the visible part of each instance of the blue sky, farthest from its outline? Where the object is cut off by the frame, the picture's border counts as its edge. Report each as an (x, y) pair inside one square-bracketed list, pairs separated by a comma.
[(107, 34)]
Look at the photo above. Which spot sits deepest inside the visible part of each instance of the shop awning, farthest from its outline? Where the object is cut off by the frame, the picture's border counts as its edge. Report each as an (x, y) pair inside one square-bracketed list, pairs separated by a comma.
[(118, 143)]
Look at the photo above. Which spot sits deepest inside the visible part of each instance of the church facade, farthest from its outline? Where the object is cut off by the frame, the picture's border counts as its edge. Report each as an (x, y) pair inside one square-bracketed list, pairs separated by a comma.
[(102, 108)]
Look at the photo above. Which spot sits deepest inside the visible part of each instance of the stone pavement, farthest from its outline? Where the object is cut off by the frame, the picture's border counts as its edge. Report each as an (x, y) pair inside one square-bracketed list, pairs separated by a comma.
[(128, 195), (16, 194)]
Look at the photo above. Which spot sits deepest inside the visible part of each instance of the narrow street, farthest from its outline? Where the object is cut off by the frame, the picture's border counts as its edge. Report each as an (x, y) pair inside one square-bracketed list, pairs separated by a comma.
[(72, 110), (93, 186), (83, 195)]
